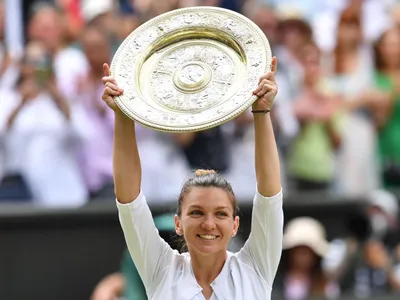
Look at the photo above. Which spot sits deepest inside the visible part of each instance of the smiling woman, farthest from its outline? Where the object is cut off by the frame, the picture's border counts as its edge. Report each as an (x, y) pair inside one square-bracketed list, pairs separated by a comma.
[(207, 210), (206, 217)]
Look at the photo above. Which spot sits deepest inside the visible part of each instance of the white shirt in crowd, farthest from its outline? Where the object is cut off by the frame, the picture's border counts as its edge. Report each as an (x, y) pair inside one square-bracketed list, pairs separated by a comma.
[(168, 275), (40, 145)]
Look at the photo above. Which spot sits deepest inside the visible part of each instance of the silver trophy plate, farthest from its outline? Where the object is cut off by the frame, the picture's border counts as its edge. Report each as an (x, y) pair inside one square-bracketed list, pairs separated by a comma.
[(190, 69)]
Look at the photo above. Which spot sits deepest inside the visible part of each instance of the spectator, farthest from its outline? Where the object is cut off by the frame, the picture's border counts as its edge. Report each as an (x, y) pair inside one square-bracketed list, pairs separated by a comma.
[(311, 161), (387, 112), (69, 63), (40, 135), (375, 274), (302, 276), (369, 251), (349, 68), (95, 155)]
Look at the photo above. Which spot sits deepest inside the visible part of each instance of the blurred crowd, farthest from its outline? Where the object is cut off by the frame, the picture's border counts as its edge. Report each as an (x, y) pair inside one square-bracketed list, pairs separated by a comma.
[(337, 122), (337, 115)]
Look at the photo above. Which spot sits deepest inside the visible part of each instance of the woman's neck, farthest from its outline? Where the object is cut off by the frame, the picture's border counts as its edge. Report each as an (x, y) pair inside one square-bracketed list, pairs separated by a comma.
[(299, 274), (207, 267)]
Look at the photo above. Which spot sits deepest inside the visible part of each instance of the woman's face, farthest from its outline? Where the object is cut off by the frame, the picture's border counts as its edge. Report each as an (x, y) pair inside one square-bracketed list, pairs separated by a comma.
[(349, 34), (207, 221), (310, 58), (302, 257), (389, 48), (293, 38)]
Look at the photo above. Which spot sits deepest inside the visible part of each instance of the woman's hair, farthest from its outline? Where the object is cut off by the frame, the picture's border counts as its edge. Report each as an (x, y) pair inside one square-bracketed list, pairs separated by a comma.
[(378, 57), (206, 178), (348, 17)]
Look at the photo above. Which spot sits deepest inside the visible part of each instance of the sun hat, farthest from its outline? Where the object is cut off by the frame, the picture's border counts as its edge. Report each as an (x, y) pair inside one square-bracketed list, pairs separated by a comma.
[(305, 231)]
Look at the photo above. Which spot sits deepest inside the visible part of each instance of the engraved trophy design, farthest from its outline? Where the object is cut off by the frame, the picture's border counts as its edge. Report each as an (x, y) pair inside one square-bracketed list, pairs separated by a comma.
[(190, 69)]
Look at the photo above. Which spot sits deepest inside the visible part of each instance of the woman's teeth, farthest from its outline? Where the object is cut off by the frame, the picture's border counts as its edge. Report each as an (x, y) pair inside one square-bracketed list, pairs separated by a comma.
[(208, 237)]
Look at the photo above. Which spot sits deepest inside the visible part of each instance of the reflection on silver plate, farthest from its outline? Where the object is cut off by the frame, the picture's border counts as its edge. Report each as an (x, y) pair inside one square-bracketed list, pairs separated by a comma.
[(190, 69)]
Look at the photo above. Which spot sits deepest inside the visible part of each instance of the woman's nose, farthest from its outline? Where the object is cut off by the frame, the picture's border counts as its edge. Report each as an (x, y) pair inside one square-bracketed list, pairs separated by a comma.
[(208, 222)]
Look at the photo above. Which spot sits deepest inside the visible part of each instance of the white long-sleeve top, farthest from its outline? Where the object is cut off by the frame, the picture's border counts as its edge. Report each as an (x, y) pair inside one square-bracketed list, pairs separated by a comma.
[(168, 275)]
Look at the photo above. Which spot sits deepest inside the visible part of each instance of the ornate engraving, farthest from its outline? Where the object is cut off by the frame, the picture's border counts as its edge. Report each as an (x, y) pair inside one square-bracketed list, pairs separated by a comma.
[(193, 84)]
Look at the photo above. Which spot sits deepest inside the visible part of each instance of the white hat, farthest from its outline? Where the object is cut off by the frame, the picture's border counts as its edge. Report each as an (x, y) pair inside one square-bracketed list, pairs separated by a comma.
[(93, 8), (384, 200), (305, 231)]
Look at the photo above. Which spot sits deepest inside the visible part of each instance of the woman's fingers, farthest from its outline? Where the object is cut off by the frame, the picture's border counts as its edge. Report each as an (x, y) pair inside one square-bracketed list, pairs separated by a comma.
[(274, 65), (263, 87), (106, 69), (111, 92), (266, 88), (110, 79), (113, 86), (270, 75)]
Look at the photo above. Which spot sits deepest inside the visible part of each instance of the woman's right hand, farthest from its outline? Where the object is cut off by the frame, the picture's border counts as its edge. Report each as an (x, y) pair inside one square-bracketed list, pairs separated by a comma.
[(111, 88)]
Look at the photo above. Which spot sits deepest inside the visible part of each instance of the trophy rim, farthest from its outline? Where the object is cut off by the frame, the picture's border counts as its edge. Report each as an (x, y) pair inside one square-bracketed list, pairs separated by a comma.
[(121, 103)]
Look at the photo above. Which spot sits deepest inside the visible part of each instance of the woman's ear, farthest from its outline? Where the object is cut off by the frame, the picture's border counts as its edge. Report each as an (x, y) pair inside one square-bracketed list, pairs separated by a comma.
[(236, 224), (178, 227)]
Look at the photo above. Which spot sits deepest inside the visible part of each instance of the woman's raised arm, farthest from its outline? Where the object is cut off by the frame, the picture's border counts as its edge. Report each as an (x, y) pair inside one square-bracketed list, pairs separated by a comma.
[(266, 153), (126, 160), (264, 246)]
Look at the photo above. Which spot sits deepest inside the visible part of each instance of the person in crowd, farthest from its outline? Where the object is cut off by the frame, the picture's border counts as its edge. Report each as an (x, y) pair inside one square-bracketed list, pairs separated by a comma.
[(386, 113), (349, 68), (95, 153), (311, 158), (364, 262), (40, 135), (69, 63), (301, 274)]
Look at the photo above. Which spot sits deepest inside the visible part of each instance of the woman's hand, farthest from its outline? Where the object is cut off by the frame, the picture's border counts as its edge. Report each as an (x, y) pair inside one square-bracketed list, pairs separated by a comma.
[(267, 88), (111, 88)]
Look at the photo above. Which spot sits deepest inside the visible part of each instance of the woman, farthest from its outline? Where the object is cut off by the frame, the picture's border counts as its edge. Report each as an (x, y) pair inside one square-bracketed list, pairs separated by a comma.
[(350, 68), (305, 248), (206, 218), (387, 113)]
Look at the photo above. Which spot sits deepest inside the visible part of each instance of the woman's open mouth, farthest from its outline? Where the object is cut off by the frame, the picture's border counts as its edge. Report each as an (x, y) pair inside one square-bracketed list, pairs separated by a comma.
[(207, 236)]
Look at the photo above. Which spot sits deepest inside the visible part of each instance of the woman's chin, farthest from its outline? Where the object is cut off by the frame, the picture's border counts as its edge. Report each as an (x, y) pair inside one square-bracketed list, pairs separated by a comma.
[(208, 247)]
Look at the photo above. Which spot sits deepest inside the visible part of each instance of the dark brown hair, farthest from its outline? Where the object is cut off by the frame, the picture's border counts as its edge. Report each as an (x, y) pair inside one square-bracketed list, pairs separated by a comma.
[(379, 60), (207, 178)]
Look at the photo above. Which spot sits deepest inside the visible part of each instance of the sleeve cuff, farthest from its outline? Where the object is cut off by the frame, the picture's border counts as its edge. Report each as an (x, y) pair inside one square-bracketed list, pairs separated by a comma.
[(140, 199), (271, 199)]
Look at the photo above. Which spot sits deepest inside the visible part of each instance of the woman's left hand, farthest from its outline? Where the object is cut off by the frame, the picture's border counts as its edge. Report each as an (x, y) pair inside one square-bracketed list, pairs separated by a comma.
[(267, 88)]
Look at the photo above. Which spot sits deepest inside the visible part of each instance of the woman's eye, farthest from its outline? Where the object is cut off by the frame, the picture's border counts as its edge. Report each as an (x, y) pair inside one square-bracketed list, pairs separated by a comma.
[(196, 213), (222, 214)]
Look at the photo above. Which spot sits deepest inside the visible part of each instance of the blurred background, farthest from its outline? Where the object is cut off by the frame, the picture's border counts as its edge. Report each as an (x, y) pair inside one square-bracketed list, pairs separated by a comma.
[(337, 124)]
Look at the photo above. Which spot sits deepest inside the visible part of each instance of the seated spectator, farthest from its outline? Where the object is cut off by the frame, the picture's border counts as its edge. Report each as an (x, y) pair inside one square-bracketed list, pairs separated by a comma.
[(301, 275), (369, 250), (374, 275)]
